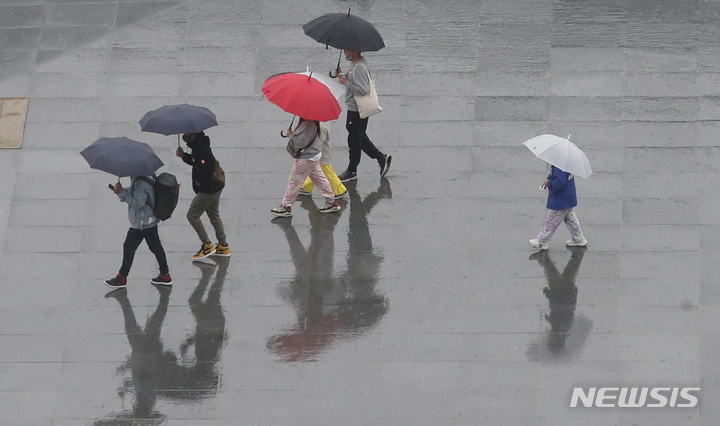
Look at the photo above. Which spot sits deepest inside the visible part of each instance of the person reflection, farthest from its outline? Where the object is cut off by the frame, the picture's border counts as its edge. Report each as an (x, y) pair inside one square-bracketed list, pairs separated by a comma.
[(156, 372), (330, 305), (561, 293)]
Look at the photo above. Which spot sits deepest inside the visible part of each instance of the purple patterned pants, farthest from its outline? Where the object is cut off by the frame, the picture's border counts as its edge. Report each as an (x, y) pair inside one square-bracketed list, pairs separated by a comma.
[(554, 218)]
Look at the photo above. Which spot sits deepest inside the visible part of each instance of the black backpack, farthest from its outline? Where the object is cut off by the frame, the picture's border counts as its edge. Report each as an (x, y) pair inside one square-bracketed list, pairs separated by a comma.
[(167, 192)]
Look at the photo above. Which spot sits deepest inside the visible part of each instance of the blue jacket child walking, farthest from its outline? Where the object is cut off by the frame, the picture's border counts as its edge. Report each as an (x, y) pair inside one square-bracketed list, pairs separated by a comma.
[(140, 198), (562, 200)]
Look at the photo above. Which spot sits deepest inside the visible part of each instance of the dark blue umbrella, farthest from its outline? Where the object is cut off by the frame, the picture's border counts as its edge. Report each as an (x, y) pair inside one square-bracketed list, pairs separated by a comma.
[(178, 119), (122, 157)]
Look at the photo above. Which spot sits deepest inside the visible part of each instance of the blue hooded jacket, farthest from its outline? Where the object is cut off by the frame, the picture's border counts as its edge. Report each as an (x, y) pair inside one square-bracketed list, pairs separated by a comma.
[(561, 190)]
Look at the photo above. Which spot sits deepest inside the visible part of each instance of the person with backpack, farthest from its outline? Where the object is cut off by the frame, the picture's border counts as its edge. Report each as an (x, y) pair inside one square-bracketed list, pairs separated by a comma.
[(140, 198), (207, 189)]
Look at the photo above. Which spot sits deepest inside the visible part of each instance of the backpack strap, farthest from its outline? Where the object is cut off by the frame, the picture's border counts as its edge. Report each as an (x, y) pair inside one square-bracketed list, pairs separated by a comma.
[(150, 181)]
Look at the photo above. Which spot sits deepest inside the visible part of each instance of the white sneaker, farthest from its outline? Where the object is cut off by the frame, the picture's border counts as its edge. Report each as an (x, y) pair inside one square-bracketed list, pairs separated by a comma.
[(341, 196), (304, 192), (581, 243), (538, 245)]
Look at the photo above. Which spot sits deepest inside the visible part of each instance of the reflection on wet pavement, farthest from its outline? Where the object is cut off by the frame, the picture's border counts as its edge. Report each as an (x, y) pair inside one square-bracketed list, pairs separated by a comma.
[(331, 308), (567, 334), (153, 372)]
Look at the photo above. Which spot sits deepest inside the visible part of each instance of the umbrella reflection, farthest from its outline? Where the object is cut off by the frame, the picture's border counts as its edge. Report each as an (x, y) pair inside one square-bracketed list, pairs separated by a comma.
[(153, 372), (331, 307), (567, 335)]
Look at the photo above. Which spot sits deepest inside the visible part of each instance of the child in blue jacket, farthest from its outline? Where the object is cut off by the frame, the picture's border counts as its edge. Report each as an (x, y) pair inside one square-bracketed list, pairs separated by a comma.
[(562, 200)]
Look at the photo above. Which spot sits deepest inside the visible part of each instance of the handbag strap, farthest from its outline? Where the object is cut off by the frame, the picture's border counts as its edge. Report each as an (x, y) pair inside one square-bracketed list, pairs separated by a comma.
[(366, 68)]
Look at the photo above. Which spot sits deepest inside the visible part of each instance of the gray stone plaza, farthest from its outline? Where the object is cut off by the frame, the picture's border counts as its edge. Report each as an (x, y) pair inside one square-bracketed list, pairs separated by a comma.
[(421, 302)]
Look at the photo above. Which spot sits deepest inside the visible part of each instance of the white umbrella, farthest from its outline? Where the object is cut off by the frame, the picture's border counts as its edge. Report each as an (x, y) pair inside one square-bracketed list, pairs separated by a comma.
[(336, 88), (561, 153)]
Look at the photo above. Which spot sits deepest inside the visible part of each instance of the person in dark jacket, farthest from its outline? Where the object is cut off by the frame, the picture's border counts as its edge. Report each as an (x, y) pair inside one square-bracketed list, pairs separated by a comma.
[(207, 194), (140, 198), (561, 203)]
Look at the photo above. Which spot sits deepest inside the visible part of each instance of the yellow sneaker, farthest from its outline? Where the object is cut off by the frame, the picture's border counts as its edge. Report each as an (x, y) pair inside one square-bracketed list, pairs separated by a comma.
[(222, 250), (205, 251)]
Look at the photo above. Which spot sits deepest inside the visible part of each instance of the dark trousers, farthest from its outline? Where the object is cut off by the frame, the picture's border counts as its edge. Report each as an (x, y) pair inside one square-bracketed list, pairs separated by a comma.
[(132, 242), (358, 140)]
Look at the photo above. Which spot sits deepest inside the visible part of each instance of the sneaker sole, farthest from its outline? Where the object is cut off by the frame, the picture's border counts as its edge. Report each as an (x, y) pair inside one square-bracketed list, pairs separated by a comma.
[(115, 286), (539, 247), (221, 254), (576, 245), (349, 179), (329, 210), (281, 214), (161, 283), (341, 196), (386, 169), (196, 257)]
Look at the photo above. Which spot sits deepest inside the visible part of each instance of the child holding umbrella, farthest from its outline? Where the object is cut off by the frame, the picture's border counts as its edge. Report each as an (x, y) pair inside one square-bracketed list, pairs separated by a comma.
[(305, 144)]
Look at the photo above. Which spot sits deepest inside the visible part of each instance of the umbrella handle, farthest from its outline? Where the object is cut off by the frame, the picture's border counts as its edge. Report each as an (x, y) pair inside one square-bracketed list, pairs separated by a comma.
[(289, 128), (338, 67)]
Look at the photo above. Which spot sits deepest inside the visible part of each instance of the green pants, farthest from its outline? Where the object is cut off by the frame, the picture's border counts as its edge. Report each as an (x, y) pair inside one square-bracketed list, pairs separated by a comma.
[(210, 204)]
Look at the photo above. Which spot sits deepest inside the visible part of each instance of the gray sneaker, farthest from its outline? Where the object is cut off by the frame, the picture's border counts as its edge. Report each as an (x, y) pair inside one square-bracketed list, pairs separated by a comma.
[(581, 243)]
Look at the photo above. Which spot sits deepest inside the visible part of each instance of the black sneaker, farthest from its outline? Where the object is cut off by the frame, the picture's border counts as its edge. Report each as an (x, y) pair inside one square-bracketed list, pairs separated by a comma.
[(384, 163), (347, 176), (162, 279), (118, 282)]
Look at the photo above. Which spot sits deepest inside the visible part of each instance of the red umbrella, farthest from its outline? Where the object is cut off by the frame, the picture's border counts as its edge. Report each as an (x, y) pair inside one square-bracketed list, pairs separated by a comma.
[(303, 96)]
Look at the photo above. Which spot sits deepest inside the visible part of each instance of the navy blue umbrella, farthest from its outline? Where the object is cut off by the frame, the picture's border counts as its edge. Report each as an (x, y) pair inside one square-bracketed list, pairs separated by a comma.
[(178, 119), (122, 157)]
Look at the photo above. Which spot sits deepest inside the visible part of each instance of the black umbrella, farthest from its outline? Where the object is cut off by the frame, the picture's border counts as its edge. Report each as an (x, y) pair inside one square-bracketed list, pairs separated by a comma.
[(345, 31), (122, 157), (178, 119)]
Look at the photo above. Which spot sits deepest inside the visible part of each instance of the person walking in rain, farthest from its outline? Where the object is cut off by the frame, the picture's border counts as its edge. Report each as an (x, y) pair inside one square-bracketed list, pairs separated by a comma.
[(140, 198), (357, 82), (562, 200), (207, 195), (338, 188), (307, 137)]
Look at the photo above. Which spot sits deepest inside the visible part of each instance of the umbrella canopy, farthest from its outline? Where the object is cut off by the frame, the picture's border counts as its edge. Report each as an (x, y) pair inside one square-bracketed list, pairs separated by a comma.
[(561, 153), (122, 157), (178, 119), (345, 31), (303, 96), (336, 88)]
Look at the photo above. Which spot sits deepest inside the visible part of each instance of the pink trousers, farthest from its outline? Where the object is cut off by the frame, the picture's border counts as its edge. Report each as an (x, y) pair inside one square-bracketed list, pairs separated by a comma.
[(302, 169)]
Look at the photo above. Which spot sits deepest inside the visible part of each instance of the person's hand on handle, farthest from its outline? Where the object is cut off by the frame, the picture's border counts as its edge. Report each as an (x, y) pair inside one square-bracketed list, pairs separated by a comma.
[(179, 152), (118, 187), (342, 79)]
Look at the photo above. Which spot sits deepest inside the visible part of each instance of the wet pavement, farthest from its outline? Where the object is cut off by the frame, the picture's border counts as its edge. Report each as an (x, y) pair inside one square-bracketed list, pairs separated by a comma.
[(421, 302)]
